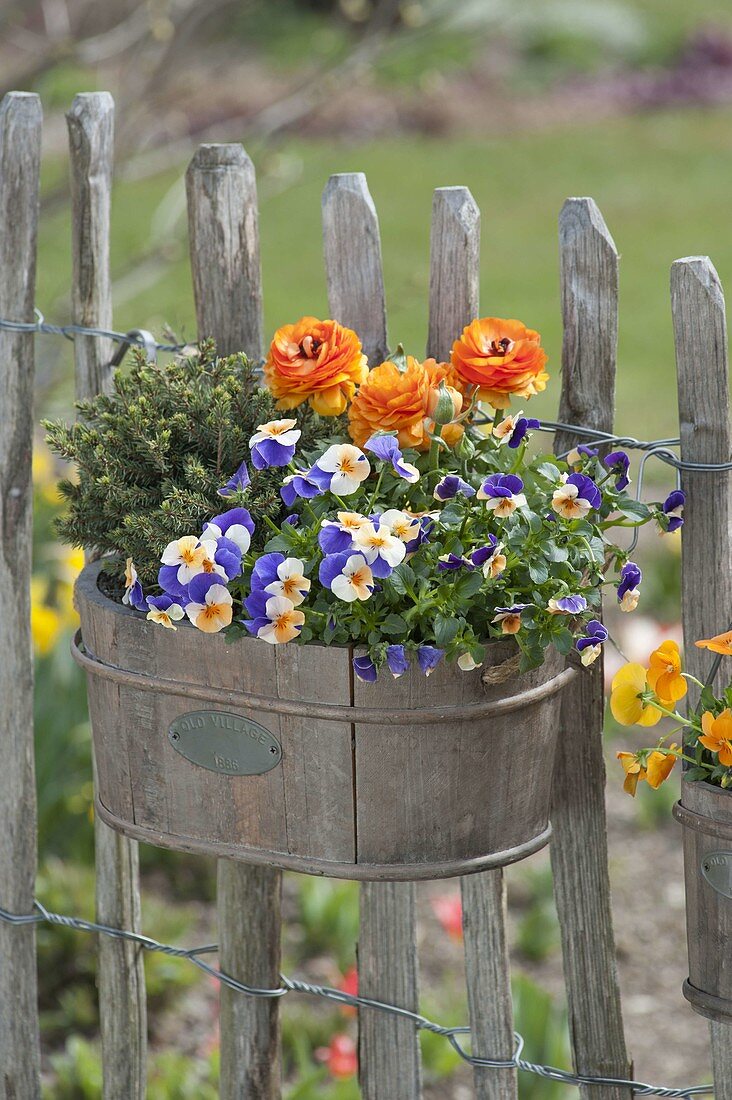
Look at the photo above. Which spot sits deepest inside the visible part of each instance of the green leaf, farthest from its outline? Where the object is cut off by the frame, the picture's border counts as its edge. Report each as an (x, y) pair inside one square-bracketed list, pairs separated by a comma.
[(696, 773), (393, 624), (402, 577), (633, 509), (446, 629), (538, 570), (549, 471), (468, 585)]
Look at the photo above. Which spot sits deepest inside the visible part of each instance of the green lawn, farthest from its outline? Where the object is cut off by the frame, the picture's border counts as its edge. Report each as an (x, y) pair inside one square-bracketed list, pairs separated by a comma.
[(661, 180)]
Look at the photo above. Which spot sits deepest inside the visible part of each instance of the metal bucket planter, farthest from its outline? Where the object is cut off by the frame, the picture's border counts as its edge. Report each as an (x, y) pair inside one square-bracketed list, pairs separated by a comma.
[(705, 812), (277, 755)]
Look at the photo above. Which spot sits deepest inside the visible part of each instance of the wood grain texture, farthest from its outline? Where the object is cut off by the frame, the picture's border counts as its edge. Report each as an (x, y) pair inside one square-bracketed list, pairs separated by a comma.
[(454, 302), (489, 982), (223, 224), (20, 150), (388, 1047), (589, 291), (454, 268), (91, 147), (700, 333), (223, 229), (352, 249), (248, 910), (389, 1054), (121, 977)]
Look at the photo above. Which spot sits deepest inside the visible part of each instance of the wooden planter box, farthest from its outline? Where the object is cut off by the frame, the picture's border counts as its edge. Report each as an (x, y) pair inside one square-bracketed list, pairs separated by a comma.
[(706, 815), (403, 779)]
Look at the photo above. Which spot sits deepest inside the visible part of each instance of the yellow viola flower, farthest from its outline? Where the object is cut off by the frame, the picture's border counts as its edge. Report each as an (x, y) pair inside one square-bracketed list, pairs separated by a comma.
[(664, 674), (634, 771), (720, 643), (643, 766), (626, 702), (46, 624), (717, 736), (659, 766)]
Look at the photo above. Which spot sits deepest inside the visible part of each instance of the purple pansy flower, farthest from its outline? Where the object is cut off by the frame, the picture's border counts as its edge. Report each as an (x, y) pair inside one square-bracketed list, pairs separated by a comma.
[(576, 496), (133, 596), (265, 570), (502, 493), (429, 657), (453, 561), (273, 444), (293, 520), (299, 484), (365, 669), (619, 464), (237, 524), (590, 644), (228, 556), (567, 605), (386, 447), (673, 508), (630, 579), (168, 581), (236, 483), (522, 426), (426, 523), (450, 485), (336, 535), (165, 610), (483, 553), (347, 575), (396, 660), (578, 453)]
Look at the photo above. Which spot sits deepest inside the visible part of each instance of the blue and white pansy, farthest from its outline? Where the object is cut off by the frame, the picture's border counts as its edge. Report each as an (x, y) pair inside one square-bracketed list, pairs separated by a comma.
[(165, 611), (348, 576), (133, 596), (502, 494), (273, 444), (382, 550), (345, 467), (386, 447)]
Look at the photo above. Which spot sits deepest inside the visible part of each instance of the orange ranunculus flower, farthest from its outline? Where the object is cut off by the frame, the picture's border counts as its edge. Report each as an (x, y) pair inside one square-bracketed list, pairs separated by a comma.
[(717, 735), (664, 674), (316, 361), (390, 399), (720, 643), (502, 358)]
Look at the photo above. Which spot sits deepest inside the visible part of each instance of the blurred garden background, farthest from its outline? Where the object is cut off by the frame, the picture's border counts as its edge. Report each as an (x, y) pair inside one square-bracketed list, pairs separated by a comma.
[(629, 101)]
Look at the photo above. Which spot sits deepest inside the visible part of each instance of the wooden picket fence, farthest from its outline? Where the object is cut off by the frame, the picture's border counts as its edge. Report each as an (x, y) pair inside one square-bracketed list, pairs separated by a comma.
[(224, 241)]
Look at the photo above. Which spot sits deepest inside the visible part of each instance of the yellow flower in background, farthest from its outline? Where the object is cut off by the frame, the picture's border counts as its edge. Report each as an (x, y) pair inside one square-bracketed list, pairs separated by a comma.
[(664, 674), (46, 623), (626, 702)]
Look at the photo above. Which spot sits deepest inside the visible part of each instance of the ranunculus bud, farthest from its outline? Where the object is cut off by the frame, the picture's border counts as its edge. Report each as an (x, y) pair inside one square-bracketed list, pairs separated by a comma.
[(444, 403)]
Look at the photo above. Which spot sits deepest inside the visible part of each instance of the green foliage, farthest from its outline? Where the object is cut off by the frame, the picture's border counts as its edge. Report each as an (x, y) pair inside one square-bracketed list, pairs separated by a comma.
[(152, 454), (328, 920), (77, 1075), (67, 959), (537, 934), (543, 1024)]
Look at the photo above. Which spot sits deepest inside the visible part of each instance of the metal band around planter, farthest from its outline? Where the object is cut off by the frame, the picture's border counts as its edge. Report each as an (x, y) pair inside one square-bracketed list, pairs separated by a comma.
[(701, 823), (326, 868), (328, 712)]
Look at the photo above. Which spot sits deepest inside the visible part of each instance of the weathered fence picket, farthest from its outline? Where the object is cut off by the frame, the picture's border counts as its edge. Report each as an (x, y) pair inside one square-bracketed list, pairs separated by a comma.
[(224, 244), (20, 155), (225, 263), (389, 1056), (589, 293), (121, 977), (700, 333)]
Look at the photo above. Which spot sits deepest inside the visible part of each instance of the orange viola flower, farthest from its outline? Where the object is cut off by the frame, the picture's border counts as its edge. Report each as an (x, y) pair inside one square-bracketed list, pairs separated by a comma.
[(664, 674), (650, 767), (720, 643), (391, 399), (503, 358), (316, 361), (717, 736)]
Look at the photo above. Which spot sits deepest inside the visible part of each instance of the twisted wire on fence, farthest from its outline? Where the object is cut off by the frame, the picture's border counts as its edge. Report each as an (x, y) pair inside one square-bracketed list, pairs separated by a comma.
[(296, 985), (660, 449)]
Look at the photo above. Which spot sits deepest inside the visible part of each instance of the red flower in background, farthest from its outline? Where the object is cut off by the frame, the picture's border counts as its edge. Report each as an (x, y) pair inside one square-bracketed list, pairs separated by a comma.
[(340, 1056), (349, 984), (448, 908)]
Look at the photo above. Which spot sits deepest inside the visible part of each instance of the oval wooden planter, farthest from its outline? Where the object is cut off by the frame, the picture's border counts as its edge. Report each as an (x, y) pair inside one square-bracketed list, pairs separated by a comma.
[(406, 779), (705, 812)]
